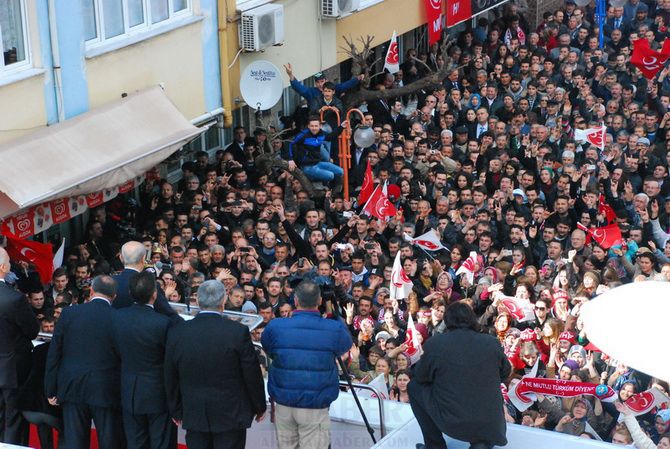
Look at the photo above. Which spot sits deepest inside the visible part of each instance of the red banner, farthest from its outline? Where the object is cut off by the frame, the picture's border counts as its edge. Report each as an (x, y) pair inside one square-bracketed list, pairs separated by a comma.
[(522, 394), (434, 13), (41, 217), (458, 11), (61, 210)]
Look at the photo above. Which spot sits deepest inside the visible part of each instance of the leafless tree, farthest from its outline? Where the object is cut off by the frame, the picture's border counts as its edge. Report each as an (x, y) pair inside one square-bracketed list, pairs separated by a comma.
[(360, 52)]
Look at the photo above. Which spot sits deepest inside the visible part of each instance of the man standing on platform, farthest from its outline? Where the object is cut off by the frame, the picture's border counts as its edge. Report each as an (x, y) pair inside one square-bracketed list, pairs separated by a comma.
[(213, 376), (303, 376), (82, 372), (18, 326), (132, 256), (456, 384), (140, 335)]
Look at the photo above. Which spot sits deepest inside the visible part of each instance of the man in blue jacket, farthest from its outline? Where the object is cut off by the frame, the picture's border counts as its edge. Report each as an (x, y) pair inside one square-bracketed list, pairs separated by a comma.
[(310, 93), (303, 378)]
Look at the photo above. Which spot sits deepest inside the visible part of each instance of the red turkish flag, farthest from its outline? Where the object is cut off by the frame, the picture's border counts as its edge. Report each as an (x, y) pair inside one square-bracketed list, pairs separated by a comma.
[(459, 11), (434, 13), (606, 210), (649, 62), (368, 185), (606, 237), (39, 254), (379, 205)]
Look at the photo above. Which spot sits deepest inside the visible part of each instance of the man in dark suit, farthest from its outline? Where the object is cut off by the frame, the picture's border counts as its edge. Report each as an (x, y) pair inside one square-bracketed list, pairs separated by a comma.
[(470, 406), (18, 326), (237, 147), (82, 373), (132, 256), (140, 335), (212, 375)]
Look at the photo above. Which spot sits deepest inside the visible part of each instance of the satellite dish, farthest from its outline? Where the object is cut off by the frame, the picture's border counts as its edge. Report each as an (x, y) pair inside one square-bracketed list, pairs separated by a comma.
[(261, 85)]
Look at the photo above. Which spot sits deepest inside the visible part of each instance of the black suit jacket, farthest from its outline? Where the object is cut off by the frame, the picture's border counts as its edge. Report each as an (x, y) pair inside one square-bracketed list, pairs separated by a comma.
[(237, 151), (123, 298), (212, 375), (140, 335), (83, 363), (18, 326)]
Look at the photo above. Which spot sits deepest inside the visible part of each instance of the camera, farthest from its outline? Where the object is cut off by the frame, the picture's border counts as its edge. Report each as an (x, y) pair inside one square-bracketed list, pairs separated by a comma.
[(369, 246)]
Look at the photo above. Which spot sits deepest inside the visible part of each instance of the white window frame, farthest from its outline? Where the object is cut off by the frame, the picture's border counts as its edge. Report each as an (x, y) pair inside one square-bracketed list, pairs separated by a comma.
[(129, 32), (27, 62)]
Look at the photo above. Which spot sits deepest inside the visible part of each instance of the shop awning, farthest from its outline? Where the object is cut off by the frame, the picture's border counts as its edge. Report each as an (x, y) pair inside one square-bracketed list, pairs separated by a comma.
[(99, 149)]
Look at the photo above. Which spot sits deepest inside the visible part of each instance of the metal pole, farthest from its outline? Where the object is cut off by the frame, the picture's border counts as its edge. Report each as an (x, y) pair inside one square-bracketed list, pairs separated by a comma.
[(600, 16)]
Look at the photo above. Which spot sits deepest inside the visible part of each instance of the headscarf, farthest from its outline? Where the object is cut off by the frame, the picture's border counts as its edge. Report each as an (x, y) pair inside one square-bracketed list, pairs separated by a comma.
[(472, 106)]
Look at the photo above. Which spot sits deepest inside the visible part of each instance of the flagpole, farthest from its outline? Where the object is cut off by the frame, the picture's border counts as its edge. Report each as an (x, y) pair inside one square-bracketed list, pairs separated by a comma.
[(427, 253)]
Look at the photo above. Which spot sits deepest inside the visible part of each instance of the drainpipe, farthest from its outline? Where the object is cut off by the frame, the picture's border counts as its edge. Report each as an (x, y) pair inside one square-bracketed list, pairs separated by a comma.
[(55, 58), (226, 100)]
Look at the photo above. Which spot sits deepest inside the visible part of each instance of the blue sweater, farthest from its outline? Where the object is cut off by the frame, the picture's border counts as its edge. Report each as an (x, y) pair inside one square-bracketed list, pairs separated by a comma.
[(303, 349)]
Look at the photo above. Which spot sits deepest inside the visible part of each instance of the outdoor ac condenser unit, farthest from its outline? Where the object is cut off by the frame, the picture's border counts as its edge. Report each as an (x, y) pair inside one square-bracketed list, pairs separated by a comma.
[(262, 27), (338, 8)]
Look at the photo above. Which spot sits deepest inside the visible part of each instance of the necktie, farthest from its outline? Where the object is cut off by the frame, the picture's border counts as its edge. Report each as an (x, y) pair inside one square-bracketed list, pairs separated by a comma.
[(617, 23), (480, 131)]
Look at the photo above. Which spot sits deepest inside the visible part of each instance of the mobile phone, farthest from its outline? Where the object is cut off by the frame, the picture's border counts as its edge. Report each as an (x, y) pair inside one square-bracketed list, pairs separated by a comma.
[(301, 262), (369, 246), (244, 249), (347, 214), (591, 167)]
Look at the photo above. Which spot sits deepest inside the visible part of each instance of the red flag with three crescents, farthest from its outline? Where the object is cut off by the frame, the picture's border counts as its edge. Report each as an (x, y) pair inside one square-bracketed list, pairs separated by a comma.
[(649, 61)]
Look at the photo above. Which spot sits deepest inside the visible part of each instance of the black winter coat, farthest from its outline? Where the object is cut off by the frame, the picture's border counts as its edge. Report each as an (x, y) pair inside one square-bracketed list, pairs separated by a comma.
[(465, 369)]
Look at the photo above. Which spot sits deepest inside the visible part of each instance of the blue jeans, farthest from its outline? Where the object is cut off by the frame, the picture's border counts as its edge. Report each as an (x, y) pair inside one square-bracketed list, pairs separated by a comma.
[(323, 171)]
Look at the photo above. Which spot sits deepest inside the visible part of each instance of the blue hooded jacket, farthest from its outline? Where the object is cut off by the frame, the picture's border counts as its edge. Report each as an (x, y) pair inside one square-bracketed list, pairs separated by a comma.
[(303, 350)]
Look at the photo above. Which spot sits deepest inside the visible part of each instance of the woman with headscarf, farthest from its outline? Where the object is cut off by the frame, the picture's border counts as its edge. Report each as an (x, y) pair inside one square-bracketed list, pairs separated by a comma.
[(580, 419)]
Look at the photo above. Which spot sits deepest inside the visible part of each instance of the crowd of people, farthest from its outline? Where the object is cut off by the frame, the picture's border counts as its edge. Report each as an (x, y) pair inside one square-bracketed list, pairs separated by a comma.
[(487, 159)]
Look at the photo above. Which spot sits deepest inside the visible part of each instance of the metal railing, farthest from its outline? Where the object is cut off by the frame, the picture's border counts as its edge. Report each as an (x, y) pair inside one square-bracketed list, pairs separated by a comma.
[(380, 401)]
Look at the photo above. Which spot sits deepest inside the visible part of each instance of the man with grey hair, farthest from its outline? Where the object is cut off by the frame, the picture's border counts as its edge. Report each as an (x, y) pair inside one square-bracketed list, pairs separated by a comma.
[(82, 370), (212, 375), (301, 346), (133, 255), (18, 326)]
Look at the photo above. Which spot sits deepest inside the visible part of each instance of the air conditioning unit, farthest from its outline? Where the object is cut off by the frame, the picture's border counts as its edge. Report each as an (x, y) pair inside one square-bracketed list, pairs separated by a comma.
[(338, 8), (262, 27)]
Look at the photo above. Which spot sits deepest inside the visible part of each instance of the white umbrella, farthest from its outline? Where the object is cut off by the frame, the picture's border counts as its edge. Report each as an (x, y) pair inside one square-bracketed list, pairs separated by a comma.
[(631, 323)]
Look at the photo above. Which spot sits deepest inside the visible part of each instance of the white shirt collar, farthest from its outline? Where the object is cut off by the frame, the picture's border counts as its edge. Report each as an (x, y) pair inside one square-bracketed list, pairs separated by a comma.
[(104, 299)]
